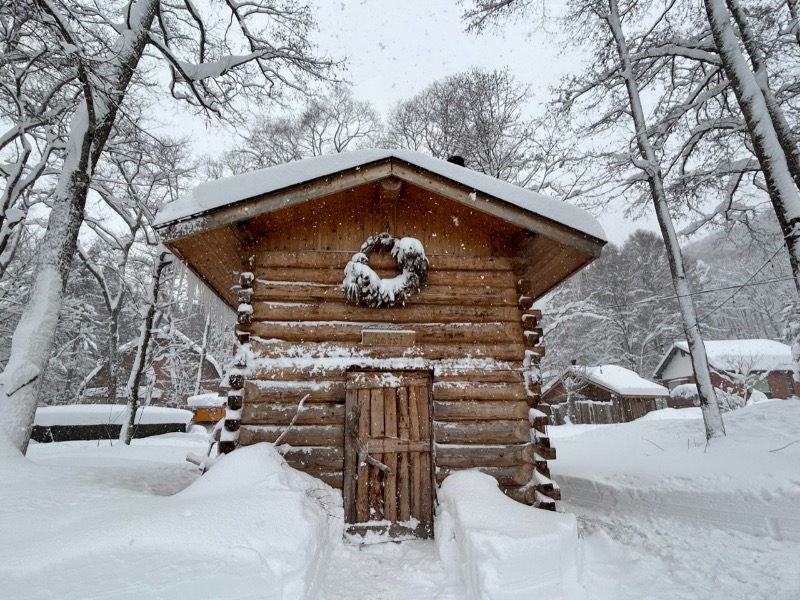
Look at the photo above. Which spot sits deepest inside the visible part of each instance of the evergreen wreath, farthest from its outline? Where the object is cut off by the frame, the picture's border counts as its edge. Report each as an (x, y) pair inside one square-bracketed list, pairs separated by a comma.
[(362, 285)]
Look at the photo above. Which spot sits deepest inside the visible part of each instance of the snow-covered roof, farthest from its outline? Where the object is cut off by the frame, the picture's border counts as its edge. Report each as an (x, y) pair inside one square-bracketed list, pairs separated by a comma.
[(739, 355), (613, 378), (623, 381), (230, 190)]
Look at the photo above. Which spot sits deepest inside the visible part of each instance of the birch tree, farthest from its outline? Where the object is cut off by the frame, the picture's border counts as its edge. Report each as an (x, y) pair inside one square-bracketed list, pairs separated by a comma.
[(263, 47), (614, 64), (773, 141)]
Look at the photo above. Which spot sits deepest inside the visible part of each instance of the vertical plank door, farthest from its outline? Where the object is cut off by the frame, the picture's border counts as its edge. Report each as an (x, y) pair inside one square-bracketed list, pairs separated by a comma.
[(388, 470)]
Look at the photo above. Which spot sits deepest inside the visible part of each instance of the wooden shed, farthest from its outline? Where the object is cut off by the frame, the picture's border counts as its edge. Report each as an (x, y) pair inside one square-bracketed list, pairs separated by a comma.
[(385, 335), (604, 394)]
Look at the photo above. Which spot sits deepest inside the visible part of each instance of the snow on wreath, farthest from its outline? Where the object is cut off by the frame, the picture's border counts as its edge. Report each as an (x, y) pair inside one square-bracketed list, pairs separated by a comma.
[(363, 286)]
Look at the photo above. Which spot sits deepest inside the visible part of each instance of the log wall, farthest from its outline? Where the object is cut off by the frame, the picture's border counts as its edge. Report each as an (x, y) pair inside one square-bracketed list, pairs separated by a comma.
[(470, 328)]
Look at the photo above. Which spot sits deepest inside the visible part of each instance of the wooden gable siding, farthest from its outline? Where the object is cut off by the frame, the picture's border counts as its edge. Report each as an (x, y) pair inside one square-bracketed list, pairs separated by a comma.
[(306, 337), (343, 221)]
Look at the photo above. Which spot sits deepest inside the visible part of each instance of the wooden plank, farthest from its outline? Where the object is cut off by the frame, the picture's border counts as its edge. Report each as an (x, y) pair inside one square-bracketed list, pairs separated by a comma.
[(411, 313), (338, 259), (331, 477), (362, 479), (384, 337), (394, 444), (426, 479), (350, 458), (449, 375), (483, 432), (479, 391), (390, 457), (265, 413), (314, 375), (383, 379), (490, 410), (491, 279), (302, 435), (317, 331), (315, 458), (403, 431), (282, 291), (277, 391), (376, 476), (464, 456), (416, 459)]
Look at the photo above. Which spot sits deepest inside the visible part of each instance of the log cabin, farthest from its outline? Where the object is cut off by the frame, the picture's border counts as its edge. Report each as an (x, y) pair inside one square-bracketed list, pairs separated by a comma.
[(385, 333)]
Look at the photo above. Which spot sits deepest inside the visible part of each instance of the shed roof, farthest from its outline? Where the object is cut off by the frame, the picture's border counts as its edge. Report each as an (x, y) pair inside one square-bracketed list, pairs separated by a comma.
[(215, 194), (615, 379), (218, 223), (737, 355)]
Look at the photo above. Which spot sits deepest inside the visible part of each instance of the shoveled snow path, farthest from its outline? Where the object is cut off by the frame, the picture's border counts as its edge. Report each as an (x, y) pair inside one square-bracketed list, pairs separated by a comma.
[(389, 571)]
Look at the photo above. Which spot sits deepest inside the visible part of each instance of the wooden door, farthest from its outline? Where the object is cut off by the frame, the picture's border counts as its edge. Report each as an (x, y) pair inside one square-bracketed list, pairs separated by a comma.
[(388, 468)]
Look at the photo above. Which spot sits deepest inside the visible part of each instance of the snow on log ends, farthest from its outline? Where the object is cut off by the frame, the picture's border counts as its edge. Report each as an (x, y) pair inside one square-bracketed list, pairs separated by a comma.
[(502, 549)]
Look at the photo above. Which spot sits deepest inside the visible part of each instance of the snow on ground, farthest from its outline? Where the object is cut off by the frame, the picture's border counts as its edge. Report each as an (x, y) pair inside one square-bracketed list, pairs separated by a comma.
[(93, 521), (250, 528)]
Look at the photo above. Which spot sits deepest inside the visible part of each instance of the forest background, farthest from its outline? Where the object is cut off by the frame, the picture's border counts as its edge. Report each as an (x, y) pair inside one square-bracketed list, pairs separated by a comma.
[(574, 142)]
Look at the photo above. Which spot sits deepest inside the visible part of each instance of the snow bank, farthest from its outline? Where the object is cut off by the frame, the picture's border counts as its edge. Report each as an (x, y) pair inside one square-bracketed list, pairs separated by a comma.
[(504, 550), (97, 414), (673, 413), (747, 481), (252, 527)]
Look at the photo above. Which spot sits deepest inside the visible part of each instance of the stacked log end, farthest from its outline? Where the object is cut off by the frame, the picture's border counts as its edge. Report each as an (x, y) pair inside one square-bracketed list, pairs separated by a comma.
[(542, 491), (229, 436)]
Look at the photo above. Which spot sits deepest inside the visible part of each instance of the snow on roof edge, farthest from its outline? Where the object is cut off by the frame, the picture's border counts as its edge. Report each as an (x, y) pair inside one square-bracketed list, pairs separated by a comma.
[(761, 355), (215, 194)]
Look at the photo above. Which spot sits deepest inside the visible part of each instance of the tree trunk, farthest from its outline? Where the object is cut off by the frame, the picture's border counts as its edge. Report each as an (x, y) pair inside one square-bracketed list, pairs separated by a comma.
[(140, 362), (761, 76), (766, 143), (32, 342), (652, 168), (772, 142)]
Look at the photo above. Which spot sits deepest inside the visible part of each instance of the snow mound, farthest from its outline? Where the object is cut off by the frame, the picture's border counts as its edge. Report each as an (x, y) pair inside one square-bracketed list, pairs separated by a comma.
[(673, 413), (504, 550), (251, 524)]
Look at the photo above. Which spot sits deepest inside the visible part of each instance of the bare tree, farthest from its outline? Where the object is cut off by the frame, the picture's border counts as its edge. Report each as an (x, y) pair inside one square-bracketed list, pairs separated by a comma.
[(128, 428), (210, 63), (484, 117), (324, 124), (613, 76)]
